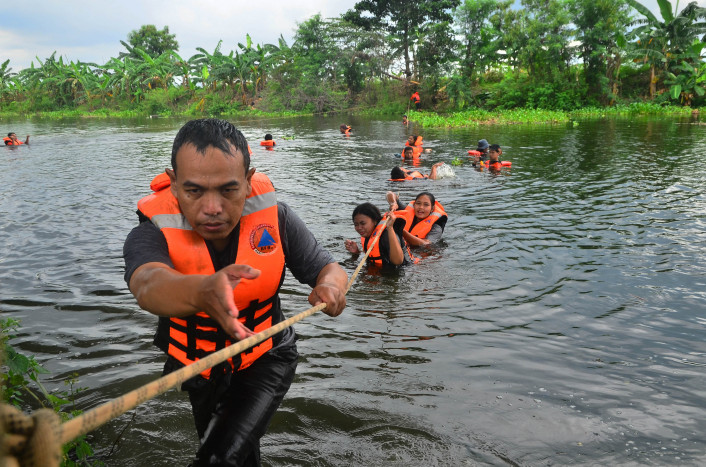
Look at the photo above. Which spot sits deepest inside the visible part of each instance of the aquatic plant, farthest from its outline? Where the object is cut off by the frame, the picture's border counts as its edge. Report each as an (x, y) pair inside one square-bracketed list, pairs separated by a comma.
[(20, 380)]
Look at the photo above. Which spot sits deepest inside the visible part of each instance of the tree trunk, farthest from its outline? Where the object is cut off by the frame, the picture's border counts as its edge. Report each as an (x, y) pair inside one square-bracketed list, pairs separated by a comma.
[(652, 82)]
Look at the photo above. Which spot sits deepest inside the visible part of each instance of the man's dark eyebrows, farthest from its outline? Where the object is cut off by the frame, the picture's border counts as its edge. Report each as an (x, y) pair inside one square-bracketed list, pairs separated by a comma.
[(231, 184)]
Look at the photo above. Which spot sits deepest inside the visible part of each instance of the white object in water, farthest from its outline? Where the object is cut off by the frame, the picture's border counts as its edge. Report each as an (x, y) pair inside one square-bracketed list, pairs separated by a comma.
[(445, 171)]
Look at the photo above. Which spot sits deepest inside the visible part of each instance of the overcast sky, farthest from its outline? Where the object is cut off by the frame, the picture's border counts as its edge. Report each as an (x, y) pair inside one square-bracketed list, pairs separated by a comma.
[(91, 31)]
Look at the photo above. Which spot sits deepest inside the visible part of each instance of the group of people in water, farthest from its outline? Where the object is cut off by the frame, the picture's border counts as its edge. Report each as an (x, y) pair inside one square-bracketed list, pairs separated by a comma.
[(417, 224), (389, 236)]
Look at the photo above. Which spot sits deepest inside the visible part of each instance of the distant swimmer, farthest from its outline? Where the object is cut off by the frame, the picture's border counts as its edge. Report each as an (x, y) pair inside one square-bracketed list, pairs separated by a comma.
[(480, 154), (268, 142), (494, 162), (11, 140), (404, 120), (425, 218), (401, 174), (345, 129), (390, 249)]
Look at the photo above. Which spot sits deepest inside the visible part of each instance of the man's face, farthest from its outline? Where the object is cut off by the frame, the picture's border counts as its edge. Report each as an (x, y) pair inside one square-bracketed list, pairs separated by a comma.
[(13, 137), (493, 154), (211, 189)]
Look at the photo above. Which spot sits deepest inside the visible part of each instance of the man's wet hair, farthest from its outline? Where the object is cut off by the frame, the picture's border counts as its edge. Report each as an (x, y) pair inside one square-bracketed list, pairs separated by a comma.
[(268, 137), (368, 209), (408, 149), (494, 147), (215, 132), (396, 173)]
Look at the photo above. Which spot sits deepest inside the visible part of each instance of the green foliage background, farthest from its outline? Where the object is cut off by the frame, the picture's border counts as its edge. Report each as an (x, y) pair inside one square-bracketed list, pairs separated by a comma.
[(555, 55)]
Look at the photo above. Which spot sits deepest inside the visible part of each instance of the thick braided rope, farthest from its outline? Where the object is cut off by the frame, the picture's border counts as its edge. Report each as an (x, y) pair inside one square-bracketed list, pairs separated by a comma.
[(37, 440)]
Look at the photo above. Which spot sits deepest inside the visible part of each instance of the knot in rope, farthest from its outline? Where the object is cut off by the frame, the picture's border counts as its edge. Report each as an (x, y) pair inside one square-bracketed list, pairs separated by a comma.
[(30, 440)]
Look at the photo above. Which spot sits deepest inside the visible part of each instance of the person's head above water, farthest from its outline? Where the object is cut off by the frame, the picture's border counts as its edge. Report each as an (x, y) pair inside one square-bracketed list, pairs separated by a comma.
[(482, 146), (398, 173), (408, 152), (494, 152), (423, 205), (268, 137), (206, 132), (365, 217), (210, 177)]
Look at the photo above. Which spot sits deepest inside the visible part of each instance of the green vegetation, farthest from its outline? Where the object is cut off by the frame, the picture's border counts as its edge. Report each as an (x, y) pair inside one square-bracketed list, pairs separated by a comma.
[(22, 388), (478, 117), (473, 62)]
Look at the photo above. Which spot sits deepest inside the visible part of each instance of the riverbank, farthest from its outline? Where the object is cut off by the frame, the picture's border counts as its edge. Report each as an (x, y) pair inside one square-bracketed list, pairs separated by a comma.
[(429, 119)]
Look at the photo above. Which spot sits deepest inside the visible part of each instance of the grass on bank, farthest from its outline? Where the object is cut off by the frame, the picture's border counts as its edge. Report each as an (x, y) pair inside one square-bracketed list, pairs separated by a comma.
[(476, 117)]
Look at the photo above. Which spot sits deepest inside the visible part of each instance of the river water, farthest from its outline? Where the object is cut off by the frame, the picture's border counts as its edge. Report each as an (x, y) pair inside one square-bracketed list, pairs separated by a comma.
[(560, 321)]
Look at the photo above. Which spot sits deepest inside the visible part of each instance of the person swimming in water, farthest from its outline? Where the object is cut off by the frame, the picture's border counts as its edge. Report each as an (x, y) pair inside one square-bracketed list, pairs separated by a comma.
[(425, 218), (11, 139), (400, 174), (390, 249)]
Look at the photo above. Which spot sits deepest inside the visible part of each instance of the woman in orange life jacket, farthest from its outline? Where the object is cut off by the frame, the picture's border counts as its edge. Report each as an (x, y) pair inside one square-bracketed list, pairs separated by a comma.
[(425, 218), (345, 129), (391, 248), (268, 142), (401, 174), (11, 140)]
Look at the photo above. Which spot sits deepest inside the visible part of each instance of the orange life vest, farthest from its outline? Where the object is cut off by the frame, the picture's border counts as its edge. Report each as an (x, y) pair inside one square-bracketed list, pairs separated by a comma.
[(473, 152), (267, 142), (9, 142), (374, 257), (412, 176), (498, 163), (415, 97), (196, 336), (422, 228)]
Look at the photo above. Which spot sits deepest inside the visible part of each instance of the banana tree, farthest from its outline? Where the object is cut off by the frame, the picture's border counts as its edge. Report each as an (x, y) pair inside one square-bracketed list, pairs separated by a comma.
[(660, 42), (6, 76), (689, 81)]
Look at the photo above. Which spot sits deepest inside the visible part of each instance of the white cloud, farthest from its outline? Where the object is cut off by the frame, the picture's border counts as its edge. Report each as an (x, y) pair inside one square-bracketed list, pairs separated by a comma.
[(91, 31)]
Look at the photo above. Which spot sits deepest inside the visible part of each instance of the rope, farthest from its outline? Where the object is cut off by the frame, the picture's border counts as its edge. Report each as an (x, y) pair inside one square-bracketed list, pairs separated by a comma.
[(37, 440)]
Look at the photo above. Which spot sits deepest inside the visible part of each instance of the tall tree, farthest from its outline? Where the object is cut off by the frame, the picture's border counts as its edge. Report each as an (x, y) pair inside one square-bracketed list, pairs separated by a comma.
[(600, 28), (543, 38), (154, 42), (479, 36), (402, 19)]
